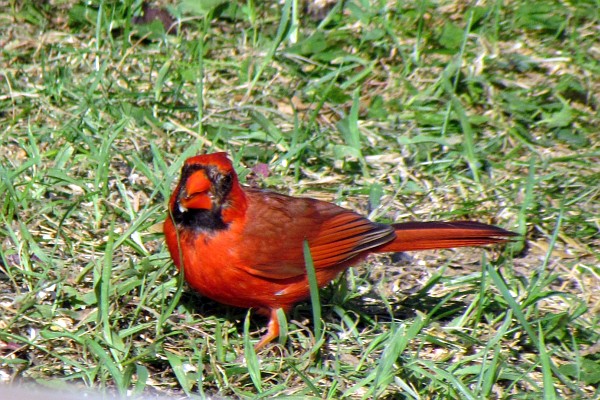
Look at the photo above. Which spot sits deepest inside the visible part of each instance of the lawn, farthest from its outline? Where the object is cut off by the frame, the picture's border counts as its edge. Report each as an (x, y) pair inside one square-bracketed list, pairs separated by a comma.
[(415, 110)]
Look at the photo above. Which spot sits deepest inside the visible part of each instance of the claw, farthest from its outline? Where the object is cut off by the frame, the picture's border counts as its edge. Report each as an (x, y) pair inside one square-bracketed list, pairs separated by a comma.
[(272, 330)]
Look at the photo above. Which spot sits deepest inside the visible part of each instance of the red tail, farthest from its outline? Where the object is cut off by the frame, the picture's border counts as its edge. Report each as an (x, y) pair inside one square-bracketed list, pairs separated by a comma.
[(444, 235)]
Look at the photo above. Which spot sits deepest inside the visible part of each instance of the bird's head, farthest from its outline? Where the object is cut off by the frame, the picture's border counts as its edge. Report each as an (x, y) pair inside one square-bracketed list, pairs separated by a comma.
[(208, 195)]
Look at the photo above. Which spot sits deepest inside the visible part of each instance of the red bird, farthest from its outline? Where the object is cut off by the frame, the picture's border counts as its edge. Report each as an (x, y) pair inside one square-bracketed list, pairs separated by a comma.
[(244, 247)]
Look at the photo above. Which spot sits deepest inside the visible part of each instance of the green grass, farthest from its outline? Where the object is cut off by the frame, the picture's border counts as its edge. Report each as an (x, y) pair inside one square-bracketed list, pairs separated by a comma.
[(407, 110)]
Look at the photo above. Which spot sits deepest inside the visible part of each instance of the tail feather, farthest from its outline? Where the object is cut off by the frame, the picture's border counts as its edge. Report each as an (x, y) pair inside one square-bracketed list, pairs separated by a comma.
[(444, 235)]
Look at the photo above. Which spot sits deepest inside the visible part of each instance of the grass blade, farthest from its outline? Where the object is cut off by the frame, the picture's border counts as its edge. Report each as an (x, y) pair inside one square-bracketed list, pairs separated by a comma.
[(314, 294), (250, 355)]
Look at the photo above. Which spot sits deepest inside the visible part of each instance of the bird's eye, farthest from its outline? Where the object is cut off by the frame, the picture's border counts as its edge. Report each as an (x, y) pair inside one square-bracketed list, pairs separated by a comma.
[(225, 183), (226, 180)]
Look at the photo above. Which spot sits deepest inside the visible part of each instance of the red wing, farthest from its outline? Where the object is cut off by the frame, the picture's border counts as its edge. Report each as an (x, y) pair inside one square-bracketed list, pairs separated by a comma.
[(277, 225)]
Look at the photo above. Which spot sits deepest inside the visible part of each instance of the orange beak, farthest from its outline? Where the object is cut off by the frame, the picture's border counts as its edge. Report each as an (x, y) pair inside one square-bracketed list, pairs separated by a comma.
[(197, 189)]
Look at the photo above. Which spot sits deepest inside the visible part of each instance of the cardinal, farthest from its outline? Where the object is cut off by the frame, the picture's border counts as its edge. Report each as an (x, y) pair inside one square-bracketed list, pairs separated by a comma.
[(243, 246)]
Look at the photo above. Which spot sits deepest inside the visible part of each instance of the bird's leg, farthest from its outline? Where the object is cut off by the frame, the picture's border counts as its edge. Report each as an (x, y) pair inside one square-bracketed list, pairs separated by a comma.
[(272, 328)]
